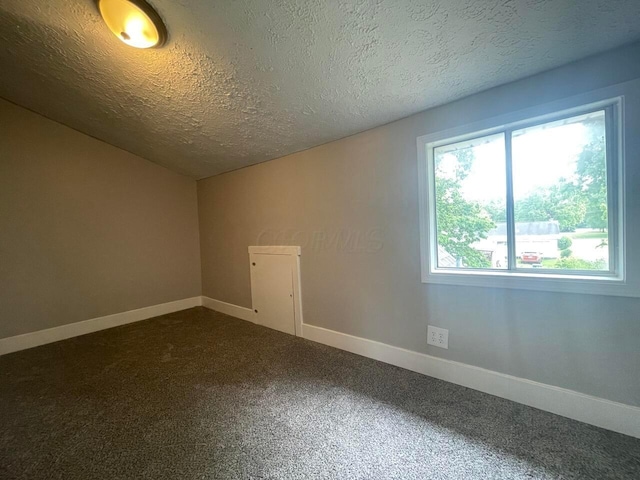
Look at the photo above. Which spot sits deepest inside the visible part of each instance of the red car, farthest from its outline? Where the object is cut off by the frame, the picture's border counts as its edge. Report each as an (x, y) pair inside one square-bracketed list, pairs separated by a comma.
[(531, 257)]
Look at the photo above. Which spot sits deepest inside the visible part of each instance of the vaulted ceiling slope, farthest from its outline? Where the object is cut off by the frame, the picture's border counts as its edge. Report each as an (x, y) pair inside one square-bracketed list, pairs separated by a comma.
[(244, 81)]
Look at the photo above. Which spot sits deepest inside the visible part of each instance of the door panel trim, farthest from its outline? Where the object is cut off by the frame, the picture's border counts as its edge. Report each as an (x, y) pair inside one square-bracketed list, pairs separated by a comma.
[(294, 253), (276, 250)]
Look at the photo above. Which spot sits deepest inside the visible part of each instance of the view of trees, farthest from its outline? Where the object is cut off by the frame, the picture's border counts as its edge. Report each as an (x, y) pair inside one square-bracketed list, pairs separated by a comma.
[(592, 180), (575, 202), (578, 202), (460, 223)]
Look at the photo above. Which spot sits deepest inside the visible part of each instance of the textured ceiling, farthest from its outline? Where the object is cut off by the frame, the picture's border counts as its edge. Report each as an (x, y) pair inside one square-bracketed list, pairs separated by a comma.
[(244, 81)]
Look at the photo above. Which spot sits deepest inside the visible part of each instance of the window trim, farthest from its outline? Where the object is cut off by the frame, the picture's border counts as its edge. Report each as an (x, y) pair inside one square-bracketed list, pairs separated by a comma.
[(613, 282)]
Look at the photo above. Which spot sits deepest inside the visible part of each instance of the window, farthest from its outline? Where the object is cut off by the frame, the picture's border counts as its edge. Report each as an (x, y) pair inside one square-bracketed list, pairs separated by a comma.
[(534, 203)]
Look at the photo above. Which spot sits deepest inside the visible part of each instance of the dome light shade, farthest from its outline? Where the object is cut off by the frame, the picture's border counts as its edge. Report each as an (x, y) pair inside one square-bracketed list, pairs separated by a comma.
[(135, 22)]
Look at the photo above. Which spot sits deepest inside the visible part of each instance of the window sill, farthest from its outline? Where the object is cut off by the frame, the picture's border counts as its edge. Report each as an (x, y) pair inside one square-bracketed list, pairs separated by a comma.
[(583, 284)]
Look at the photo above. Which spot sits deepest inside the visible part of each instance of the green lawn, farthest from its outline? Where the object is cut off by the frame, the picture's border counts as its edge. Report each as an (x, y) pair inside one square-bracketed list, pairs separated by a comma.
[(546, 263), (575, 264), (549, 262), (592, 234)]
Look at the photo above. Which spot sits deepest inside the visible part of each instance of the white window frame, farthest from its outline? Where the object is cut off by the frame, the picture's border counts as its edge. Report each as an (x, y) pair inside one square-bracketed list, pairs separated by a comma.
[(613, 282)]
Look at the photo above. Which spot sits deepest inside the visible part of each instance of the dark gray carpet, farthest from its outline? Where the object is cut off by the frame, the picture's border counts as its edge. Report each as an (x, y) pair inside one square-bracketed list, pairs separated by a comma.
[(197, 394)]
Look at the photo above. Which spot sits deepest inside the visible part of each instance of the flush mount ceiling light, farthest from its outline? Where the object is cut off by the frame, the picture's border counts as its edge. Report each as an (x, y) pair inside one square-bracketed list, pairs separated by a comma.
[(135, 22)]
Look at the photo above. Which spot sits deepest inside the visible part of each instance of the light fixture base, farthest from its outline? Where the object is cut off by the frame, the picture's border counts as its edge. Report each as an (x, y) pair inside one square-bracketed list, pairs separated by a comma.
[(134, 22)]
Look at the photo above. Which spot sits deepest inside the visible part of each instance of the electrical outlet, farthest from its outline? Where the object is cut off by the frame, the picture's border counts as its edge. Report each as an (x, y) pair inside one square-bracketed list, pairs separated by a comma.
[(438, 337)]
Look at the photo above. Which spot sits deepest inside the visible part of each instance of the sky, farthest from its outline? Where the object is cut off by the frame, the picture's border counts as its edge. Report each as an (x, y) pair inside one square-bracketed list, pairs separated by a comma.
[(541, 156)]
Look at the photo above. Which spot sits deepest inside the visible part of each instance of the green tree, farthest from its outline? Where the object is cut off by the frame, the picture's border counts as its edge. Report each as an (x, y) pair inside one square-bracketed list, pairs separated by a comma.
[(536, 207), (497, 210), (592, 178), (567, 205), (563, 202), (564, 243), (460, 222)]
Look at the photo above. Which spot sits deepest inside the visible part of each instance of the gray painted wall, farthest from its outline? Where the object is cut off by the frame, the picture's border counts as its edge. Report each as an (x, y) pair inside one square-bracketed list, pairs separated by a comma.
[(365, 188), (87, 229)]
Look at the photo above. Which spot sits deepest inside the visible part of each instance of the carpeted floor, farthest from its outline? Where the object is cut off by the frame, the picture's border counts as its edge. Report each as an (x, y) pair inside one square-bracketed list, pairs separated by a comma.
[(197, 394)]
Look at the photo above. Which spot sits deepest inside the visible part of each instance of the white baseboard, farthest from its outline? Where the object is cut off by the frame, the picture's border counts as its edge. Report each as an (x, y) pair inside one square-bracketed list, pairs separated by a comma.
[(600, 412), (242, 313), (568, 403), (41, 337)]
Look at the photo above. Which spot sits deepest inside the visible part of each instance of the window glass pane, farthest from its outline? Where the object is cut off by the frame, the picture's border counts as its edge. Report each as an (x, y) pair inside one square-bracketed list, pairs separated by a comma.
[(470, 191), (560, 194)]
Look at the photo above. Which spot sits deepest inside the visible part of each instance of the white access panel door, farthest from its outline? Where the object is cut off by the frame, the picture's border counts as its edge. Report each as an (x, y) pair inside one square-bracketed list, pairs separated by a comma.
[(272, 290)]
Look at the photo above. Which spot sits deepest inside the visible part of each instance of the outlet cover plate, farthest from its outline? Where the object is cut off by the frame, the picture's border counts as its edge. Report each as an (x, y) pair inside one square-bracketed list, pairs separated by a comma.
[(438, 337)]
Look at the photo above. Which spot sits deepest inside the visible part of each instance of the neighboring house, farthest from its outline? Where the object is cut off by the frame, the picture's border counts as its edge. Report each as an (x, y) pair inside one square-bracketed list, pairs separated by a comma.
[(538, 237), (541, 237), (496, 255), (445, 259)]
